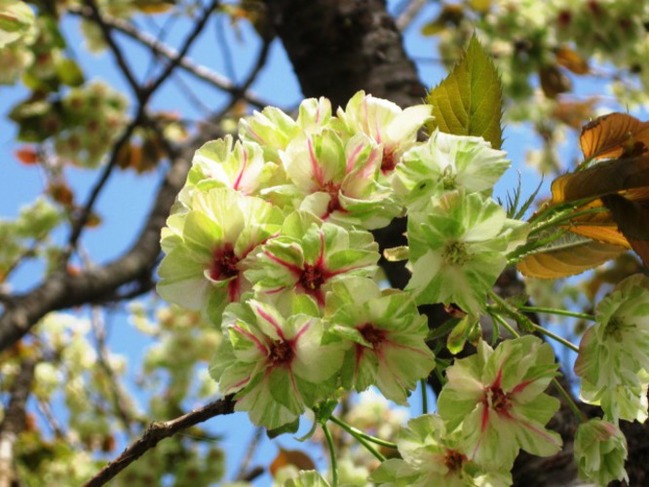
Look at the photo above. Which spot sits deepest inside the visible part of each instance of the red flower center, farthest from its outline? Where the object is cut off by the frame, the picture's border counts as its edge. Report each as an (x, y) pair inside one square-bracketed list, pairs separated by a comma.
[(280, 353), (499, 400), (224, 263), (454, 460), (389, 160), (372, 334), (312, 277)]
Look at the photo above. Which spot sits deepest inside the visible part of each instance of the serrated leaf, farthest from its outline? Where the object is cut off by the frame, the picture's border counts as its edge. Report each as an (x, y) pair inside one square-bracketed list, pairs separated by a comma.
[(469, 100), (567, 256)]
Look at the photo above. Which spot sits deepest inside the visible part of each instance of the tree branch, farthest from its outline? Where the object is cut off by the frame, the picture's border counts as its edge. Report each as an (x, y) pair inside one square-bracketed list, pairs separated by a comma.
[(61, 290), (158, 431), (160, 49)]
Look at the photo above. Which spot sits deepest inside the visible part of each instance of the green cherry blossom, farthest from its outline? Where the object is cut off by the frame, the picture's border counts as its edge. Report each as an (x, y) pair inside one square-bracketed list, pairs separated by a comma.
[(387, 336), (308, 255), (385, 123), (273, 129), (206, 249), (236, 165), (458, 246), (277, 365), (613, 358), (430, 456), (445, 163), (496, 397), (306, 478), (335, 179), (600, 452)]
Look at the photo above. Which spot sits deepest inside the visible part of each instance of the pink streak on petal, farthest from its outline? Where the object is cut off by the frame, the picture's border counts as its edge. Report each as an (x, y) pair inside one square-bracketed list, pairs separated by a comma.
[(303, 330), (520, 387), (244, 165), (291, 267), (315, 165), (351, 159), (499, 378), (260, 346), (320, 262), (272, 322)]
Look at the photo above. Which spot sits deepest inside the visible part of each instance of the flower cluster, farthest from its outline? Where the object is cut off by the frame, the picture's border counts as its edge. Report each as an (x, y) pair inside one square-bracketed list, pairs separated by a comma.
[(270, 240)]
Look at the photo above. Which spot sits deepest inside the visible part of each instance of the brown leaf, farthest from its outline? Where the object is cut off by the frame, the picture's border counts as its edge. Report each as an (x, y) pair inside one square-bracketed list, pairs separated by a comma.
[(61, 193), (569, 259), (553, 81), (598, 226), (27, 156), (571, 60), (614, 135), (296, 458), (574, 113), (604, 178)]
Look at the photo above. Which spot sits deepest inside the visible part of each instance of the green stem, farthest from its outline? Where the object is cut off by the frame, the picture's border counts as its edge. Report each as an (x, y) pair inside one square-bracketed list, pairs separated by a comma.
[(364, 439), (553, 311), (424, 397), (506, 325), (556, 337), (563, 217), (570, 401), (332, 454)]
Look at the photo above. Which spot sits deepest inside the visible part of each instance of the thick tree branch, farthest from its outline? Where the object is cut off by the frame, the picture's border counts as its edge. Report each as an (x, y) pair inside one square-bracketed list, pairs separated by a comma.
[(159, 431), (62, 290)]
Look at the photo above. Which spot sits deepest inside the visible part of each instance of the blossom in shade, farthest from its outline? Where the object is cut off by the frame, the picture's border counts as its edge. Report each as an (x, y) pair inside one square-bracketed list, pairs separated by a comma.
[(207, 248), (600, 452), (386, 334), (496, 398), (275, 363), (613, 359), (430, 456)]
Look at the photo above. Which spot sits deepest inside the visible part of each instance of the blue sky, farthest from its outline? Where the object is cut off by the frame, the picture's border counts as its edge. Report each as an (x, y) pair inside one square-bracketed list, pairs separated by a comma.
[(125, 202)]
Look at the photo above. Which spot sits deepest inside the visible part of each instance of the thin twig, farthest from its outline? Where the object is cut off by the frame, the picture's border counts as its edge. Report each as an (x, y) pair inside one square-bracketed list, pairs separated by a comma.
[(119, 397), (409, 14), (239, 93), (191, 37), (114, 47), (156, 432), (199, 71), (244, 472)]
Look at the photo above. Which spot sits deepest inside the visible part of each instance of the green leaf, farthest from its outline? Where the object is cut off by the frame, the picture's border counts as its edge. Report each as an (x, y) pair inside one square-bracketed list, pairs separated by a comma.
[(469, 100)]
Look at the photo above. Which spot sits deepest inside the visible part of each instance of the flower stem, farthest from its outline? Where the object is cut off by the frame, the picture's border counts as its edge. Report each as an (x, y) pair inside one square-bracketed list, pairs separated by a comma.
[(332, 454), (554, 311), (424, 397), (557, 338), (570, 401), (364, 439)]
